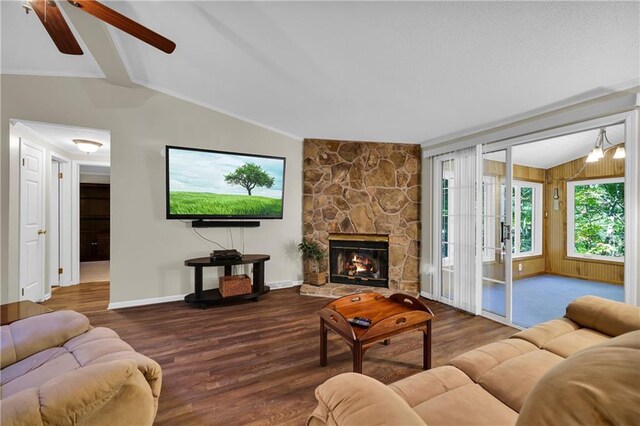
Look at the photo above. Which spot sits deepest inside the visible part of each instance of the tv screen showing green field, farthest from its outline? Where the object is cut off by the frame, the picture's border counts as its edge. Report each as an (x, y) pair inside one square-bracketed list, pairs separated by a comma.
[(214, 184)]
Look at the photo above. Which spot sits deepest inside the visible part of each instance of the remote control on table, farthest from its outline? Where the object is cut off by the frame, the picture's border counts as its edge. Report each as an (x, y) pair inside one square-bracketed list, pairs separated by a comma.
[(359, 321)]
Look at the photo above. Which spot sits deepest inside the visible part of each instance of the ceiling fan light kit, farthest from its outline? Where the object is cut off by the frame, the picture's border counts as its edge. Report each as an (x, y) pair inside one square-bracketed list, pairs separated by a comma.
[(53, 21)]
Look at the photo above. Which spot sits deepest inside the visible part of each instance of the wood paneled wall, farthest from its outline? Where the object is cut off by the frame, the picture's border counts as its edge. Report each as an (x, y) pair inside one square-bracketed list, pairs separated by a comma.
[(555, 232), (530, 265)]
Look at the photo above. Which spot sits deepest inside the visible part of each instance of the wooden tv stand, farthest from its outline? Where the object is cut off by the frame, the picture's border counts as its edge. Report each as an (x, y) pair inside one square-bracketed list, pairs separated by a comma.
[(213, 296)]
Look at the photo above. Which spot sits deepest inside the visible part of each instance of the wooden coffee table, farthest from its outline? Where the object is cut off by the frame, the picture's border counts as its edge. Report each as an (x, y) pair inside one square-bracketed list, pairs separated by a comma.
[(390, 316), (12, 312)]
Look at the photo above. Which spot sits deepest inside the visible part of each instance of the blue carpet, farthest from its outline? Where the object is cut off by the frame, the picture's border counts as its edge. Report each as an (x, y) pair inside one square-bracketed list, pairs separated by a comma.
[(545, 297)]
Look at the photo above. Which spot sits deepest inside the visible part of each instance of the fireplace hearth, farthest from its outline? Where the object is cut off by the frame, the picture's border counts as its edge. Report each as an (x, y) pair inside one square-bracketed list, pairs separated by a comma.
[(359, 259)]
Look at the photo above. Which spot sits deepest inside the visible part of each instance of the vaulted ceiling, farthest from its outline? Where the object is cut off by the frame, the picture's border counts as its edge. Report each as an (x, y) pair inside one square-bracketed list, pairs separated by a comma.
[(408, 72)]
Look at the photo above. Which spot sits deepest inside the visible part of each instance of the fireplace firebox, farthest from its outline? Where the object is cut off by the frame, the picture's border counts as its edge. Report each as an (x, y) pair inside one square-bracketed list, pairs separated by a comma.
[(359, 259)]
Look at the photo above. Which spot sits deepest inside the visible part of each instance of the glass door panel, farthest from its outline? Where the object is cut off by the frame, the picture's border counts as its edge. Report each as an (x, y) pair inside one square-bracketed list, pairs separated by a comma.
[(447, 227), (496, 241)]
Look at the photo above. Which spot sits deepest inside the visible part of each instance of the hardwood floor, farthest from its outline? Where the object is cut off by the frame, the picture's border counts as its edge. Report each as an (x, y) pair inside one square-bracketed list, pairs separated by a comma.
[(258, 362), (84, 298)]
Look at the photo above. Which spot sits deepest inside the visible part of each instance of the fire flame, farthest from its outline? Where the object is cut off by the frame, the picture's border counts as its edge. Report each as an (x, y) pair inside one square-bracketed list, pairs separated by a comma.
[(359, 263)]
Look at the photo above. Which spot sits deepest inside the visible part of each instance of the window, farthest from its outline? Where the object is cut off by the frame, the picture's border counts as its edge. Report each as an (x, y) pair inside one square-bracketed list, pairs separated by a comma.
[(447, 212), (526, 218), (595, 219), (489, 218)]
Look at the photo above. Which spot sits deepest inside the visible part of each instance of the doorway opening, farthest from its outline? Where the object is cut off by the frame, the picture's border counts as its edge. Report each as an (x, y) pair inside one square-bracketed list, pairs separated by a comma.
[(94, 223), (52, 169), (524, 226), (553, 225)]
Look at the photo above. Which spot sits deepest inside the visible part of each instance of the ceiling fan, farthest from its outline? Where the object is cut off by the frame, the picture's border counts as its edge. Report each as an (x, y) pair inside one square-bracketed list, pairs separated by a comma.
[(51, 17)]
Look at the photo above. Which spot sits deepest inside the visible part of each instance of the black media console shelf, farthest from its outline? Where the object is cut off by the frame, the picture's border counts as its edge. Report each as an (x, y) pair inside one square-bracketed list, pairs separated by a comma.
[(213, 296), (224, 224)]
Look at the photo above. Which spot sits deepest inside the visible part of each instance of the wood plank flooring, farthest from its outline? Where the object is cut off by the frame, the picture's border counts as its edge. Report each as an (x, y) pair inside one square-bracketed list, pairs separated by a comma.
[(258, 362)]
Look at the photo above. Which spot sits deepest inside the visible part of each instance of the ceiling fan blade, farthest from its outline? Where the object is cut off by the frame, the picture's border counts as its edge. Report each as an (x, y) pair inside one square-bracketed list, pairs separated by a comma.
[(53, 21), (110, 16)]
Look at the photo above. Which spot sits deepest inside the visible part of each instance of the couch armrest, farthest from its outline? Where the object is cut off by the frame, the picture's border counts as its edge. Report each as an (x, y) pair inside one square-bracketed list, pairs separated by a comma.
[(355, 399), (34, 334), (113, 392), (603, 315)]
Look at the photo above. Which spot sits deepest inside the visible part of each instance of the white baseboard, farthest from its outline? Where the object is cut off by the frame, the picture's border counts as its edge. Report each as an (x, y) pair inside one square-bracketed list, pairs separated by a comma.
[(277, 285), (426, 295), (150, 301)]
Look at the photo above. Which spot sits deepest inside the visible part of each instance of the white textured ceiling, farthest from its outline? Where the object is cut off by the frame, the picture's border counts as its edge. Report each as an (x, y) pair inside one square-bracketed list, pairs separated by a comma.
[(549, 153), (62, 137), (27, 48), (410, 71)]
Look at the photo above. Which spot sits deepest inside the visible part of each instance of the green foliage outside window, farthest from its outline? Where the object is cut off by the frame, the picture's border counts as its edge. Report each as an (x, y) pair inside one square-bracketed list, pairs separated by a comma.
[(526, 220), (599, 219), (445, 217)]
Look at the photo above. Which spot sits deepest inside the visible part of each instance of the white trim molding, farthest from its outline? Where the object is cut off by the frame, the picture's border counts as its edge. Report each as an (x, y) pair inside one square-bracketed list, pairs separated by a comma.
[(142, 302), (278, 285)]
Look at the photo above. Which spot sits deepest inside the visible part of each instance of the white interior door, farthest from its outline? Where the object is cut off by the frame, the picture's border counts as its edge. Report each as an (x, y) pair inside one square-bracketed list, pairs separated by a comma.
[(53, 230), (32, 232)]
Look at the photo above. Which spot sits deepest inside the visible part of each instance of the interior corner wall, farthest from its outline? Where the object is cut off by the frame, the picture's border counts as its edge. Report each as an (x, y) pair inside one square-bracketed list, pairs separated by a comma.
[(147, 251)]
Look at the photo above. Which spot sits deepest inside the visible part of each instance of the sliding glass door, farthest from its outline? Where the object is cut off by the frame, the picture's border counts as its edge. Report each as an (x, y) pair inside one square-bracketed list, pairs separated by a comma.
[(497, 239)]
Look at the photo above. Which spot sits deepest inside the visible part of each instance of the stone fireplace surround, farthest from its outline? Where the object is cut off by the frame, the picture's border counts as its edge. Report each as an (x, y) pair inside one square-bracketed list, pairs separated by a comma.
[(365, 188)]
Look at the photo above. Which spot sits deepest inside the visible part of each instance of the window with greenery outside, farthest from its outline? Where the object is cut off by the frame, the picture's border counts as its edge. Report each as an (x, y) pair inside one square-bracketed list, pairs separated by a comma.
[(599, 219)]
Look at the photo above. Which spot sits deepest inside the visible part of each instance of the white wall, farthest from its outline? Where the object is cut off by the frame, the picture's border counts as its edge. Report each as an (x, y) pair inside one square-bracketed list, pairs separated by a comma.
[(92, 178), (147, 251)]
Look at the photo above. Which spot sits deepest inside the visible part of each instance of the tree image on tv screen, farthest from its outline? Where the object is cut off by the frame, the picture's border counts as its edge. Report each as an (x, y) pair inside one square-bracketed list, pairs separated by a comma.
[(205, 184), (249, 176)]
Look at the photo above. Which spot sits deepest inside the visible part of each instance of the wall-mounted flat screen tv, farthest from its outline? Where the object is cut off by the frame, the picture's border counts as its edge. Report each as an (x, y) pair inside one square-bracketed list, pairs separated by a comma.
[(205, 184)]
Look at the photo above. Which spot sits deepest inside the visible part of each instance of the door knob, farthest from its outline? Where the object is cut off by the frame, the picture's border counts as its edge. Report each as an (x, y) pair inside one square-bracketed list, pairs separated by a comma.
[(42, 231)]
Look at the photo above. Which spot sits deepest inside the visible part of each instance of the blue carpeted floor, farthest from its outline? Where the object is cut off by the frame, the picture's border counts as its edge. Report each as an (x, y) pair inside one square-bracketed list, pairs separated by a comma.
[(541, 298)]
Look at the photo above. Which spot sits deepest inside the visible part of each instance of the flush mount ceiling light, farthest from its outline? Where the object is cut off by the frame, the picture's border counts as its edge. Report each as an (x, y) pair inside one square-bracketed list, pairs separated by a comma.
[(599, 149), (87, 146)]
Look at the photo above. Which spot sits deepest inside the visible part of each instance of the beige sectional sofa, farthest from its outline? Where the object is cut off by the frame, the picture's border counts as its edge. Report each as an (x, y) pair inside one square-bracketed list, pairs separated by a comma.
[(58, 369), (580, 369)]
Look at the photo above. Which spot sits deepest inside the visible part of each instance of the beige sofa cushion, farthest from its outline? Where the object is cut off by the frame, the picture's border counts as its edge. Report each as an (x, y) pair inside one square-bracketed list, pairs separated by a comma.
[(53, 367), (598, 385), (575, 341), (428, 384), (512, 380), (606, 316), (21, 409), (540, 334), (32, 335), (112, 393), (466, 405), (478, 361), (98, 345), (357, 400)]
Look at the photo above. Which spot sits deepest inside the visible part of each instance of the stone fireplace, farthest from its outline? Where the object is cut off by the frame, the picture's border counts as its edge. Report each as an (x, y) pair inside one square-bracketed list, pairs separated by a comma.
[(365, 188), (359, 259)]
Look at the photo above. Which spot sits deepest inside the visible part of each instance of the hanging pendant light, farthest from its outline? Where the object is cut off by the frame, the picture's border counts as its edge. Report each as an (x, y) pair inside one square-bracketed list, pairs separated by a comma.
[(593, 156), (620, 152)]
